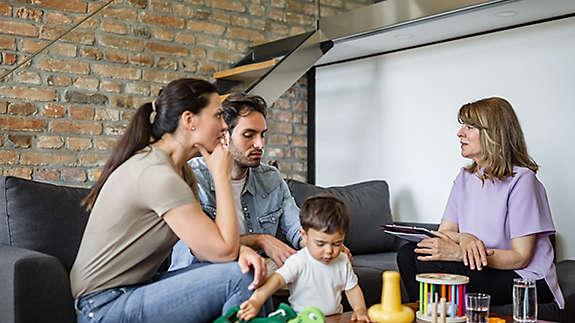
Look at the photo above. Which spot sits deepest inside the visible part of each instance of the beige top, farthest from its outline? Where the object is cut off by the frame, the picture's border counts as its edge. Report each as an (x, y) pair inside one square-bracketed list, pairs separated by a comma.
[(126, 238)]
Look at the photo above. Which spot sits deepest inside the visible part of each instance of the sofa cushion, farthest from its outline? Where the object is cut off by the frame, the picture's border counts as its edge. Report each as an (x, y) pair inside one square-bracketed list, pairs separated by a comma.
[(369, 206), (382, 261), (42, 217)]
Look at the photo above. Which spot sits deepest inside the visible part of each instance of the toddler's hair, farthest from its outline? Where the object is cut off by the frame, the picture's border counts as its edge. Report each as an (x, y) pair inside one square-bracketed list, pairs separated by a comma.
[(325, 212)]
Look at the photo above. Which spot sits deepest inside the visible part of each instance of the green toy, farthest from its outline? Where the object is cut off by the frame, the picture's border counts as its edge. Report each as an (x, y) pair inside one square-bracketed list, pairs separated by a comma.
[(284, 314)]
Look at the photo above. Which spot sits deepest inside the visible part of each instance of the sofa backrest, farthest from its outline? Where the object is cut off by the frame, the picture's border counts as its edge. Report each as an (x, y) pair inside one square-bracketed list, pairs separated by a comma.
[(43, 217), (369, 206)]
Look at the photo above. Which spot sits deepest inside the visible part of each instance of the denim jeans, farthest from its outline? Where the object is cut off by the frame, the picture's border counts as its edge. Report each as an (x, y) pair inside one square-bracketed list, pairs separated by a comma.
[(198, 293)]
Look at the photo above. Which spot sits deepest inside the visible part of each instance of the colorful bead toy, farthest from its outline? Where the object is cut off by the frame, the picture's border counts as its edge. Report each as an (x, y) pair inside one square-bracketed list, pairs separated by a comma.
[(433, 287)]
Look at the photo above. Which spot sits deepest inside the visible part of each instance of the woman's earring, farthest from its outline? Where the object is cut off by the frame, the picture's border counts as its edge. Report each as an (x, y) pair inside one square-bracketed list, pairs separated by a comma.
[(193, 128)]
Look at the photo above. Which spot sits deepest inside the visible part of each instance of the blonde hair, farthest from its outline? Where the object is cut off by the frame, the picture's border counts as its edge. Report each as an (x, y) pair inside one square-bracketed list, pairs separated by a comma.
[(502, 141)]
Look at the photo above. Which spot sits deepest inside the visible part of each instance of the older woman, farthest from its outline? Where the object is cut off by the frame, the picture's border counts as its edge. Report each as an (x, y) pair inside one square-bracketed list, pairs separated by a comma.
[(145, 200), (497, 221)]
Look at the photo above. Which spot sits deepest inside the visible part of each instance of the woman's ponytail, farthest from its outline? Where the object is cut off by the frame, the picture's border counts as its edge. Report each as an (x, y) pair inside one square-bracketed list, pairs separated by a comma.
[(136, 137), (178, 96)]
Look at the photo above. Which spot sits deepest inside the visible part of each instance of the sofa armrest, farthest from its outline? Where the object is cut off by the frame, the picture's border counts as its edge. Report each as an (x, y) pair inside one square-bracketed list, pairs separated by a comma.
[(566, 277), (35, 287)]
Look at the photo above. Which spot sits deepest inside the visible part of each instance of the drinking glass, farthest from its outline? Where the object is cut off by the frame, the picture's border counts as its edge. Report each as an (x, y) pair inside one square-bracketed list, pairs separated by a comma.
[(477, 307), (524, 300)]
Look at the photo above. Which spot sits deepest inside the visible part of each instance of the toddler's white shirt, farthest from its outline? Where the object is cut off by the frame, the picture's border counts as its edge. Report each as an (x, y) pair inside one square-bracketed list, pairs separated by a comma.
[(314, 283)]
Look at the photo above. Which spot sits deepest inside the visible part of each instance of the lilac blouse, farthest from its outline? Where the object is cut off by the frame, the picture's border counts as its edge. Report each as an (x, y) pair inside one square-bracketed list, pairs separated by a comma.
[(498, 212)]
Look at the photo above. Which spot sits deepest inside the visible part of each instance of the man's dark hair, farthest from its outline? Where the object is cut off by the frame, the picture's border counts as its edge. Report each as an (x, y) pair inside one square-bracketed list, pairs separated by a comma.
[(238, 105), (326, 213)]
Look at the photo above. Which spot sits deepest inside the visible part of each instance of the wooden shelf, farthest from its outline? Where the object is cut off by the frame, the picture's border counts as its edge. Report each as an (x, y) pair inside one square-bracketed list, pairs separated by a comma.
[(246, 73)]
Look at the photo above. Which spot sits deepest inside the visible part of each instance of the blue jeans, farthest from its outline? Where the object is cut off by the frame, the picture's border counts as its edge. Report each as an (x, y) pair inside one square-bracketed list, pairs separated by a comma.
[(198, 293)]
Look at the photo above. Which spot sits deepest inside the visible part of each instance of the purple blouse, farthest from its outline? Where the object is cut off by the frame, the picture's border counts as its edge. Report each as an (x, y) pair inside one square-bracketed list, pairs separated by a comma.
[(498, 212)]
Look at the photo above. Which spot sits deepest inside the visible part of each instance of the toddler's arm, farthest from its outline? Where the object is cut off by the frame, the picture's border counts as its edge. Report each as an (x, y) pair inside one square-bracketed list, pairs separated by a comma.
[(355, 298), (250, 308)]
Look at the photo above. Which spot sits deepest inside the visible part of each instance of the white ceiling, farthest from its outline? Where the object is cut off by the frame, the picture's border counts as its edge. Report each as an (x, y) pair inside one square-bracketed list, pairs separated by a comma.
[(461, 24)]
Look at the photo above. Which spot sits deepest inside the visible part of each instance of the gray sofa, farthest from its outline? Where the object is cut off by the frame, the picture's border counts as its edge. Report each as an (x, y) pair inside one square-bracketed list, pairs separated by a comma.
[(41, 226)]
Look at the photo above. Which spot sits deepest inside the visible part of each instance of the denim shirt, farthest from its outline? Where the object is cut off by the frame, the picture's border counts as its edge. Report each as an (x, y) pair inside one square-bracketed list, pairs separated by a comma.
[(267, 205)]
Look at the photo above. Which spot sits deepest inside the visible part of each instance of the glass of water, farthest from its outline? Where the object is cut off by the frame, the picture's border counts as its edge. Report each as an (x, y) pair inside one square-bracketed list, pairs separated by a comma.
[(524, 300), (477, 307)]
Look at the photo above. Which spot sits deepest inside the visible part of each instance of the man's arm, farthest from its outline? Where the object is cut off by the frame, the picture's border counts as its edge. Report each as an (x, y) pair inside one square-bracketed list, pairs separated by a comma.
[(273, 247), (289, 221)]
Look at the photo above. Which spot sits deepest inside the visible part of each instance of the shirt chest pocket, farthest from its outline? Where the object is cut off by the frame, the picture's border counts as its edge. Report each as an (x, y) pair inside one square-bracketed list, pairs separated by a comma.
[(270, 220)]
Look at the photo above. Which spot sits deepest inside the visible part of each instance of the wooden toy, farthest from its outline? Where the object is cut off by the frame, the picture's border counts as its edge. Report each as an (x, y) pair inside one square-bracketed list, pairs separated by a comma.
[(390, 309), (433, 287)]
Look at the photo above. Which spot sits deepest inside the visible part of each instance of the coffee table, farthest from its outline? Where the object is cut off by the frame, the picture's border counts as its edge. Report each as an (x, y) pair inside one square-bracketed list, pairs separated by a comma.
[(346, 317)]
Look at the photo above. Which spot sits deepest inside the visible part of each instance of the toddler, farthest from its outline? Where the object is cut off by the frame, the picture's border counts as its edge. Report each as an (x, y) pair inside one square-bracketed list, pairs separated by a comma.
[(317, 274)]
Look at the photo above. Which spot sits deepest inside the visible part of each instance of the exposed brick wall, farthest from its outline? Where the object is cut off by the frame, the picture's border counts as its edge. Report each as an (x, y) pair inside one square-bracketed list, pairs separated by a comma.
[(286, 141), (61, 114)]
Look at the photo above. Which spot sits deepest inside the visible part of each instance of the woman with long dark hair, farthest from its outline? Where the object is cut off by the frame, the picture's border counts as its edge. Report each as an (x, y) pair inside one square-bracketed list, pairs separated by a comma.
[(497, 221), (145, 199)]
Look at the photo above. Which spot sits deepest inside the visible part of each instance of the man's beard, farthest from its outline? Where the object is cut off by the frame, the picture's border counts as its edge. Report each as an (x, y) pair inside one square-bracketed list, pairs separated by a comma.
[(249, 162), (244, 161)]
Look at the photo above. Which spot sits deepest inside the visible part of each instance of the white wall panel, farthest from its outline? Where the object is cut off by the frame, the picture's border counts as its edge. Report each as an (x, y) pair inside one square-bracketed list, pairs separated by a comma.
[(394, 116)]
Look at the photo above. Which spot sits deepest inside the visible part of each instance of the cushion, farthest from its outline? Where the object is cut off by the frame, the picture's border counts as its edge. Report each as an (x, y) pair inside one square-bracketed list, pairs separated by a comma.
[(369, 206), (42, 217), (382, 261)]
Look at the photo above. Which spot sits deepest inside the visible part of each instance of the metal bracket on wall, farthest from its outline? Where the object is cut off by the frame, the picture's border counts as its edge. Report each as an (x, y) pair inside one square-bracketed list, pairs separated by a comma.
[(292, 66)]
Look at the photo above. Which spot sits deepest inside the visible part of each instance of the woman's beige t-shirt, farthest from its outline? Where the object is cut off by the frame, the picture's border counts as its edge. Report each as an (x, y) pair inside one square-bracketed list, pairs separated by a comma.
[(126, 238)]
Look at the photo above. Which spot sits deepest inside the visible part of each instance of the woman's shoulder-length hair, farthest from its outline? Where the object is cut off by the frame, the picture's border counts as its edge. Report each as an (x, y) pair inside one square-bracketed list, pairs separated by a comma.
[(502, 141)]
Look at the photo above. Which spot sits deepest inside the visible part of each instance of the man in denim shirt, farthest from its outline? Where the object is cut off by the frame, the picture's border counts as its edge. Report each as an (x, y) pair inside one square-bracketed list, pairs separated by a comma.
[(262, 198)]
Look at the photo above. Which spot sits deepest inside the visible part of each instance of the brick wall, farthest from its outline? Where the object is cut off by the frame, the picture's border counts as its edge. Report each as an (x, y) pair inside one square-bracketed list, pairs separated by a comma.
[(61, 114)]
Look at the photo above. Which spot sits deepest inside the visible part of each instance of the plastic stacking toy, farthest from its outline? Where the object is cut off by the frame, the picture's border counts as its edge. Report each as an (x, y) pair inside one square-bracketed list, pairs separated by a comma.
[(390, 310), (284, 314), (434, 287)]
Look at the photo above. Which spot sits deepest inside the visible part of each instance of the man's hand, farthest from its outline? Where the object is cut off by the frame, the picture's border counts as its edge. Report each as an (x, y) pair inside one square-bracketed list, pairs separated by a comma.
[(276, 249), (248, 257), (442, 248), (473, 251)]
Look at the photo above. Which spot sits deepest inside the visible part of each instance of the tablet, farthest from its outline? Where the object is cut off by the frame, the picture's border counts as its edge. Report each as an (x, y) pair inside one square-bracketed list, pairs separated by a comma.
[(414, 234)]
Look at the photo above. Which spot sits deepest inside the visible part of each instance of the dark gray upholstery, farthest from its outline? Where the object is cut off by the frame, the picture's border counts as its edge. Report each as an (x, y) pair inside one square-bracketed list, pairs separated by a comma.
[(369, 206), (377, 260), (33, 214), (41, 226), (35, 287)]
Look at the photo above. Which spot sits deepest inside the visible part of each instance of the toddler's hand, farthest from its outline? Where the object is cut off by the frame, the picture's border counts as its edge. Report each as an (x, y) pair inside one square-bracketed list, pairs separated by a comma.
[(360, 315), (248, 310)]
